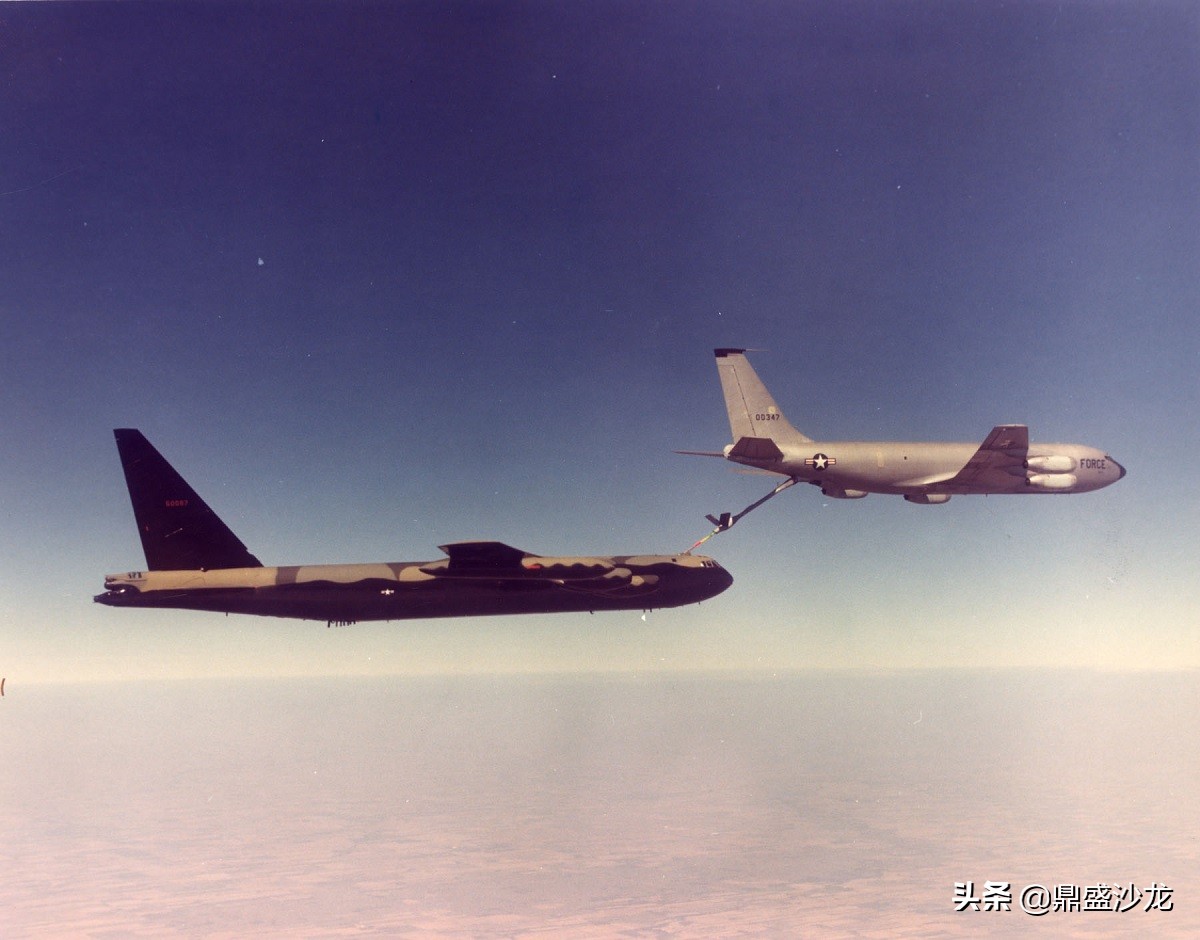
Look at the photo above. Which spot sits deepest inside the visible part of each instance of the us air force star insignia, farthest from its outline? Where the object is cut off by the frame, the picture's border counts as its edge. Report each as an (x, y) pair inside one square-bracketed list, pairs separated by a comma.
[(820, 461)]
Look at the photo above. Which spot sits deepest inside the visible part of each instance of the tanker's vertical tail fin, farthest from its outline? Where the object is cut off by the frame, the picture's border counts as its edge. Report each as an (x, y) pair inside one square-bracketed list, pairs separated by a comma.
[(752, 411), (178, 530)]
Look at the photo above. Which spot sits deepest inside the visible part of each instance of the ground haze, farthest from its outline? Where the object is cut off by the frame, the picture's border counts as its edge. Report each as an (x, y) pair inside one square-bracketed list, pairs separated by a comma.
[(593, 806)]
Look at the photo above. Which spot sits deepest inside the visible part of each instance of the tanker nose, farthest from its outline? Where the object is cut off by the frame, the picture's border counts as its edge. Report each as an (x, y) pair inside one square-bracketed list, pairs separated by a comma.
[(1120, 468)]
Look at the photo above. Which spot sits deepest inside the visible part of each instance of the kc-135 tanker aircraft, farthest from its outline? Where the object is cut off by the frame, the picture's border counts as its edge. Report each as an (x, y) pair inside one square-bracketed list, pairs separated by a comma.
[(922, 472), (195, 562)]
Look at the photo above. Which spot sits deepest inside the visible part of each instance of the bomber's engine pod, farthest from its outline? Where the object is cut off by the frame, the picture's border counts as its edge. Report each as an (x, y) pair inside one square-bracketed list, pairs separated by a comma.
[(1055, 463), (927, 499), (1052, 481)]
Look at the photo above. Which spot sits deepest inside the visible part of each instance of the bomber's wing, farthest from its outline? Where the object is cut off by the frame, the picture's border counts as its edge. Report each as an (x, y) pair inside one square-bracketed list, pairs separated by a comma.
[(497, 562), (1002, 453), (467, 557)]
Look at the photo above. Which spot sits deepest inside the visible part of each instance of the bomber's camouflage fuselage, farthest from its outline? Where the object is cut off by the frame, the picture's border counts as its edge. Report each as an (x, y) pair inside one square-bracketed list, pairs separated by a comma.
[(410, 590)]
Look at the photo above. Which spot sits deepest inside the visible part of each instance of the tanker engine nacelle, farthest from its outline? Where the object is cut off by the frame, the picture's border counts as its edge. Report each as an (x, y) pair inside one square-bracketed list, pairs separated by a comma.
[(1054, 463), (1052, 481), (928, 499), (836, 492)]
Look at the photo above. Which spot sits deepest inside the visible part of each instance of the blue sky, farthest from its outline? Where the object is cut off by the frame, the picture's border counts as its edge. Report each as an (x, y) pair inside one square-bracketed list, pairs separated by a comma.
[(376, 277)]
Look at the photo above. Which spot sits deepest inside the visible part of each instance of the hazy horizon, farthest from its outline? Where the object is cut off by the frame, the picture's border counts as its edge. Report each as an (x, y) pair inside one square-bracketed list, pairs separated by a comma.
[(597, 807)]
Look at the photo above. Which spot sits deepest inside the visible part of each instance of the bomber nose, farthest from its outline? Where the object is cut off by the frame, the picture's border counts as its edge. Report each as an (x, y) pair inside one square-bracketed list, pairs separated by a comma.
[(1120, 468), (721, 579)]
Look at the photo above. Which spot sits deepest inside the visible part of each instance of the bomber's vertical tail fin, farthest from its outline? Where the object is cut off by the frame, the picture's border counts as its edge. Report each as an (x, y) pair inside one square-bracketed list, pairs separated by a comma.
[(752, 411), (179, 531)]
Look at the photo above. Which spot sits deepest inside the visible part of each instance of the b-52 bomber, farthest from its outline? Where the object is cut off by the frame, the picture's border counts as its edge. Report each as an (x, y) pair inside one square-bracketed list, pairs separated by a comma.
[(923, 472), (195, 562)]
